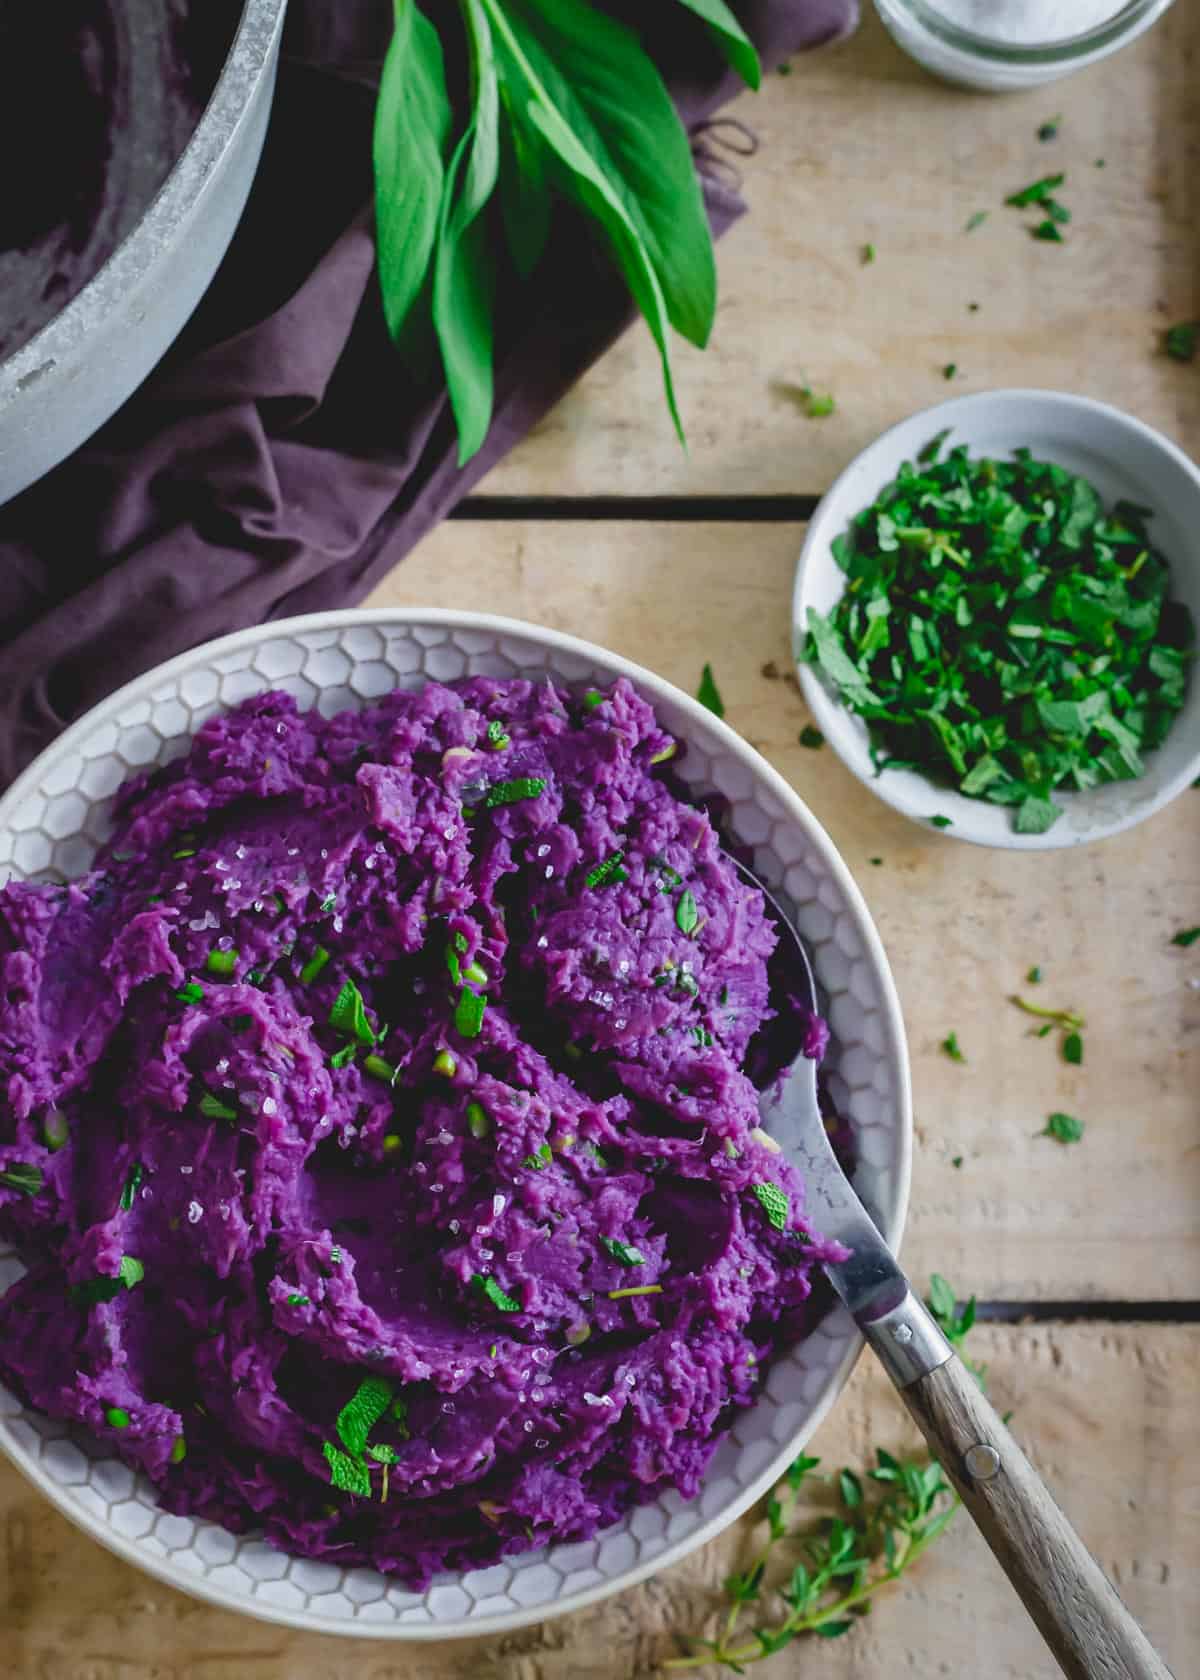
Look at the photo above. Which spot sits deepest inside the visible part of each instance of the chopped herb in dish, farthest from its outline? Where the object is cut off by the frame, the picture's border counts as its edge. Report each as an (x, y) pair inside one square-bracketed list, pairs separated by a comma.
[(622, 1252), (609, 873), (491, 1291), (20, 1176), (1003, 633), (775, 1204), (512, 793)]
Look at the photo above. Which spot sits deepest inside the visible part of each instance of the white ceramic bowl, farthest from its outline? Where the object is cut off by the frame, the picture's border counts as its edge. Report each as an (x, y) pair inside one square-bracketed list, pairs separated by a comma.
[(1124, 459), (50, 823)]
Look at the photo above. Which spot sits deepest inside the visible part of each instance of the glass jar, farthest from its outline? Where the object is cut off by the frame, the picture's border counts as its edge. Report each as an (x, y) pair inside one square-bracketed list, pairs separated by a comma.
[(973, 43)]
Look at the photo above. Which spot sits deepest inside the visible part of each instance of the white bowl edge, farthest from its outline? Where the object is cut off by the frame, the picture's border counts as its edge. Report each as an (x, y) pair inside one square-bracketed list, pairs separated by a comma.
[(892, 1218)]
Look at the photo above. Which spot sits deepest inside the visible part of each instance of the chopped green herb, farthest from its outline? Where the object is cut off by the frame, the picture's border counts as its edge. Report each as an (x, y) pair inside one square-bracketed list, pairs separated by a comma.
[(1072, 1049), (383, 1454), (468, 1012), (350, 1475), (608, 873), (941, 822), (256, 977), (329, 904), (1034, 976), (178, 1450), (1036, 193), (1048, 230), (622, 1252), (709, 694), (221, 962), (951, 1047), (131, 1186), (810, 737), (362, 1412), (510, 793), (1065, 1018), (877, 861), (239, 1023), (976, 220), (1186, 937), (190, 993), (497, 736), (479, 1121), (668, 878), (593, 698), (297, 1301), (1049, 130), (687, 917), (1180, 341), (636, 1289), (117, 1417), (335, 1256), (868, 254), (662, 756), (775, 1204), (956, 1160), (343, 1057), (378, 1068), (186, 852), (349, 1015), (215, 1109), (1064, 1127), (130, 1273), (541, 1157), (931, 450), (1003, 633), (950, 369), (491, 1291), (314, 965), (818, 405), (55, 1130), (446, 1064), (19, 1176)]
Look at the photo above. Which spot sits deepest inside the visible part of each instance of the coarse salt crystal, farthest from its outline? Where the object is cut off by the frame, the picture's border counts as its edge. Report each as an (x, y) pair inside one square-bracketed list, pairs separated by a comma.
[(499, 1203), (597, 1399), (195, 1213)]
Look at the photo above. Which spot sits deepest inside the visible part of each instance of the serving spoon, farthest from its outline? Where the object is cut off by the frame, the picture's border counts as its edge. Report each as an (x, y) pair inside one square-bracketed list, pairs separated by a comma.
[(1082, 1619)]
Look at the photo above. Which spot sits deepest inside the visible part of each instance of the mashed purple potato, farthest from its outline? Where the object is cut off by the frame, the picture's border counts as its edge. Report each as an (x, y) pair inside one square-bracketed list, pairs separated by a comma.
[(375, 1128)]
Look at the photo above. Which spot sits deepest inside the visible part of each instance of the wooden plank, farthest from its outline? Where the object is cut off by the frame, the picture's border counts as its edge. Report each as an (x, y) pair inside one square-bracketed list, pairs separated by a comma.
[(1024, 1218), (859, 145), (70, 1610)]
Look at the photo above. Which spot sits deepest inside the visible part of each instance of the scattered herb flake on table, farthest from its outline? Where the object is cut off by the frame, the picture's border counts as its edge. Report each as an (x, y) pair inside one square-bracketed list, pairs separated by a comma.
[(1181, 341), (1002, 633), (1049, 130), (810, 737), (1064, 1127), (709, 694), (1186, 937), (868, 254), (950, 1046), (977, 220)]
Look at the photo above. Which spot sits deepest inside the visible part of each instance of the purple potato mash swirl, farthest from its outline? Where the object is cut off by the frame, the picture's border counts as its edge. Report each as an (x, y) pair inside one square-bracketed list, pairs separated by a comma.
[(375, 1128)]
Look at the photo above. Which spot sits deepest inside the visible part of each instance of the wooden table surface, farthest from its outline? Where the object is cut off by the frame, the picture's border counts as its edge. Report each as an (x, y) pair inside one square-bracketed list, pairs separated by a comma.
[(1087, 1258)]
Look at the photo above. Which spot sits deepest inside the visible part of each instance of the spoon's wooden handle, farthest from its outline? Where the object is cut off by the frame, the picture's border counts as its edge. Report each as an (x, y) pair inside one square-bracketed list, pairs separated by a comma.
[(1064, 1589)]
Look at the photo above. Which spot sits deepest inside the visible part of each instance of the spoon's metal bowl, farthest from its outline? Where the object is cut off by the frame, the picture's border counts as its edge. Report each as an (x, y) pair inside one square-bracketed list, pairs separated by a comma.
[(61, 385)]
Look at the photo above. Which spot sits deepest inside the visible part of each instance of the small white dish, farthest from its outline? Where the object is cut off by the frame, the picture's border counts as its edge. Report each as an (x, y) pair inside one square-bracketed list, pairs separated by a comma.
[(1124, 459), (56, 814)]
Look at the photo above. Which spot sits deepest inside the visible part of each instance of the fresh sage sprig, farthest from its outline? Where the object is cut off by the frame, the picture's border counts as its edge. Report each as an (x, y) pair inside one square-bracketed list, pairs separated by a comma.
[(563, 103), (819, 1577)]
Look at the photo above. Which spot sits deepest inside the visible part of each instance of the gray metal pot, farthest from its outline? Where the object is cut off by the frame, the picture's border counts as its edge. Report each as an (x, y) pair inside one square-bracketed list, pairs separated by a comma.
[(58, 388)]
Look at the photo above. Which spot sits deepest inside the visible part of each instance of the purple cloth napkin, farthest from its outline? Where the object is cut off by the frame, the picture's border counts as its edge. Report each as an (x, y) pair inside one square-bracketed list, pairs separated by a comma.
[(278, 462)]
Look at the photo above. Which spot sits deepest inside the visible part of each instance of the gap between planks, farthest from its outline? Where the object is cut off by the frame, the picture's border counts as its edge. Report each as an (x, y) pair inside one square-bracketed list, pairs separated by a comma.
[(708, 510)]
